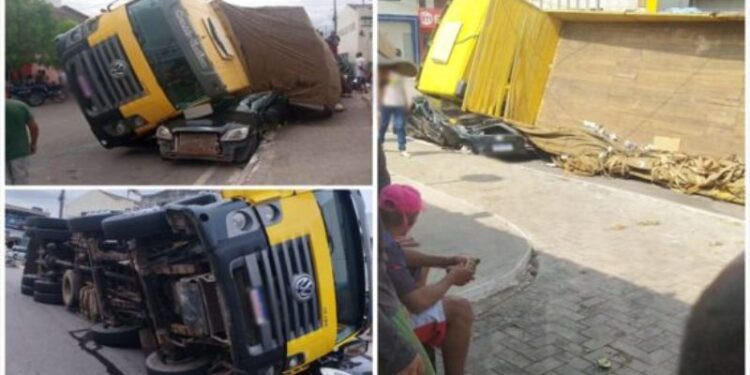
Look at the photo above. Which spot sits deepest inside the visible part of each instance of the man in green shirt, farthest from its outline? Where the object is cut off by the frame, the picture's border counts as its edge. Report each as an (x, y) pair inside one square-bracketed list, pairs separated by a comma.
[(21, 134)]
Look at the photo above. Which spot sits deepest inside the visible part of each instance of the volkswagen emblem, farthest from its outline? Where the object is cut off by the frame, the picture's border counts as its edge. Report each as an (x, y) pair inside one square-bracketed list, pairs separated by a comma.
[(303, 287), (118, 69)]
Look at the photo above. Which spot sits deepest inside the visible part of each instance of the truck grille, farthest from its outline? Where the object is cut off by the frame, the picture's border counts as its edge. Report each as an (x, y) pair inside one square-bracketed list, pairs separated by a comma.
[(275, 272), (104, 76)]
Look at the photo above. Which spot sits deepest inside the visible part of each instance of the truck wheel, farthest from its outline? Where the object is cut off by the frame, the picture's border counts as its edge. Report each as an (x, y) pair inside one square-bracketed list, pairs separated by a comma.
[(27, 290), (47, 286), (45, 234), (138, 224), (71, 286), (117, 337), (86, 224), (28, 280), (48, 298), (156, 365), (47, 223)]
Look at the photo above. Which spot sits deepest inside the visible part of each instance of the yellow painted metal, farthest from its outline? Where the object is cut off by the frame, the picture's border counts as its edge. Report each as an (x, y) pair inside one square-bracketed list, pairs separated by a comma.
[(231, 71), (442, 78), (512, 61), (652, 6), (257, 196), (154, 106), (301, 216)]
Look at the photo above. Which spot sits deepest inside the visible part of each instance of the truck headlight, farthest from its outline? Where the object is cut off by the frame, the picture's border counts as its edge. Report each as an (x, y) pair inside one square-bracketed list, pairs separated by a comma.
[(136, 121), (236, 134), (164, 133)]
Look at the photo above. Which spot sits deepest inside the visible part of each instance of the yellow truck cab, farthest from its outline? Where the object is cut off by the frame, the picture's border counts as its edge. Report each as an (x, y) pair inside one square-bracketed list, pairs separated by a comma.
[(250, 282), (336, 225), (142, 63)]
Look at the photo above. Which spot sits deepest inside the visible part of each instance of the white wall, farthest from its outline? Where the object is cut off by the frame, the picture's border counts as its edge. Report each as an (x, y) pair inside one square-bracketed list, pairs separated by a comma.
[(94, 201), (400, 36), (355, 34)]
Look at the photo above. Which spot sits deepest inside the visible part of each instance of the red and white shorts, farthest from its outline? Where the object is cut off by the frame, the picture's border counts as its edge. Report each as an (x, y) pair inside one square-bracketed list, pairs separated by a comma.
[(430, 325)]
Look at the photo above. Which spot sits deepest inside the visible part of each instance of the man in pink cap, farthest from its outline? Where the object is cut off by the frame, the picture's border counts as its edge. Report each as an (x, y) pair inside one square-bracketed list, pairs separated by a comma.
[(438, 320)]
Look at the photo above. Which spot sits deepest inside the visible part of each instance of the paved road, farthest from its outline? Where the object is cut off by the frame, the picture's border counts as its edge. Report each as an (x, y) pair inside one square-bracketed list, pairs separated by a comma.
[(618, 268), (334, 151), (48, 340)]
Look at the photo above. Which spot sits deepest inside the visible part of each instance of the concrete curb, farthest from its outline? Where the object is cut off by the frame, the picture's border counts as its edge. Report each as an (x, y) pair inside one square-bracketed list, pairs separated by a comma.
[(484, 287)]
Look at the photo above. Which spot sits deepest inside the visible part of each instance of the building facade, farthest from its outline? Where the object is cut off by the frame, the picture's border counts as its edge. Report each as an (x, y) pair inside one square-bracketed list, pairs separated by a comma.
[(98, 201), (355, 31), (15, 217)]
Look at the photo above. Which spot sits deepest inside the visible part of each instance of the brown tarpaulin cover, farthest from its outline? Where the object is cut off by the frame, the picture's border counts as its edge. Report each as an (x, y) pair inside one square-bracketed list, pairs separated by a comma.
[(283, 52)]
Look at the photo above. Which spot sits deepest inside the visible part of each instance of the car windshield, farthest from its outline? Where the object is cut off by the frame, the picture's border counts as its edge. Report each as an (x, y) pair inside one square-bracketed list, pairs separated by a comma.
[(164, 55), (348, 260)]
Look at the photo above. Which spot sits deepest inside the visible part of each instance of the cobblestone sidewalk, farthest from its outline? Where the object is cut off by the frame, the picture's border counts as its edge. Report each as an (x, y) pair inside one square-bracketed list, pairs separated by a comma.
[(617, 271)]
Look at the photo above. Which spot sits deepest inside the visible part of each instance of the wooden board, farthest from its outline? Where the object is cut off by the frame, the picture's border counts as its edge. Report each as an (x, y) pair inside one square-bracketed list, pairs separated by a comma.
[(680, 80)]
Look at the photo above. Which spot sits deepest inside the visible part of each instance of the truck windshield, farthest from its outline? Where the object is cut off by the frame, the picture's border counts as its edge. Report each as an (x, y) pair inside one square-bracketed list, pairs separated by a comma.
[(168, 62), (348, 259)]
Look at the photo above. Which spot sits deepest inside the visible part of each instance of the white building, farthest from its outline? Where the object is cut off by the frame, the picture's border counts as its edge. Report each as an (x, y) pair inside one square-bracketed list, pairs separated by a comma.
[(98, 201), (355, 31), (397, 21)]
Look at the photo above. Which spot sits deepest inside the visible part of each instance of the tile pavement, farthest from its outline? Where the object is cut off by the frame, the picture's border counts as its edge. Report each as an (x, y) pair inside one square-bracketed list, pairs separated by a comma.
[(617, 271)]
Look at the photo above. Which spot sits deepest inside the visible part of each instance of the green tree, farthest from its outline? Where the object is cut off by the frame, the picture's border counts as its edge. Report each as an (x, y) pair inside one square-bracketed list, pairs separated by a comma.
[(30, 31)]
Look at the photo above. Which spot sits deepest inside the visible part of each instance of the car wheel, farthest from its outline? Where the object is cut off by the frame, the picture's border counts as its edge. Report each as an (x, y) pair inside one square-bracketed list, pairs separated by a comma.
[(157, 365), (27, 290), (249, 150), (47, 286), (117, 337), (137, 224), (48, 298), (87, 224), (71, 286)]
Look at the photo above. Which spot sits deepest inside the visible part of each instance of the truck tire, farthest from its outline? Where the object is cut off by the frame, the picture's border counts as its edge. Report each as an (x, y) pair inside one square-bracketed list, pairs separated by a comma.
[(28, 280), (156, 365), (47, 286), (87, 224), (138, 224), (71, 286), (48, 298), (45, 234), (117, 337), (27, 290), (47, 223)]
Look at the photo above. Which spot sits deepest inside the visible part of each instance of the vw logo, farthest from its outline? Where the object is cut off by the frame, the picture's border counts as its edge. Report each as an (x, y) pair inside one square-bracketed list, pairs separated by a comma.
[(118, 69), (303, 287)]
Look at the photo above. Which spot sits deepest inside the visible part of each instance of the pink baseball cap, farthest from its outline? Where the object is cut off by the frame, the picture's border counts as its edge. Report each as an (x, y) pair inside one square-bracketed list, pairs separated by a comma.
[(402, 198)]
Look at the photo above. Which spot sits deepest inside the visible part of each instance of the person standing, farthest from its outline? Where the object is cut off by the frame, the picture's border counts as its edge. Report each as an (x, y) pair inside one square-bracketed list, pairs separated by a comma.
[(21, 134), (394, 106)]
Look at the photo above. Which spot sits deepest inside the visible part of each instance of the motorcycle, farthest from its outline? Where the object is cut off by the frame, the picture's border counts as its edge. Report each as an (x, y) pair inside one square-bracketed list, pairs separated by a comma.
[(37, 95)]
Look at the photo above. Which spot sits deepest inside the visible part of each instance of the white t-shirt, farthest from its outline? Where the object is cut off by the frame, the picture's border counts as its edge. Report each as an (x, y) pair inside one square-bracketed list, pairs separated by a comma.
[(361, 66), (394, 94)]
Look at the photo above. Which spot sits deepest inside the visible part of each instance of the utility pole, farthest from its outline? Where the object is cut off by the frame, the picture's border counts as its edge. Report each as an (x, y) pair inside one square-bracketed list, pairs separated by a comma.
[(61, 199), (335, 18)]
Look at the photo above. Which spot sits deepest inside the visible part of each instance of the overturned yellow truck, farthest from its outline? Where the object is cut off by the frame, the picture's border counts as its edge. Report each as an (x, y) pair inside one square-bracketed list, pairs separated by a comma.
[(190, 65), (654, 96)]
